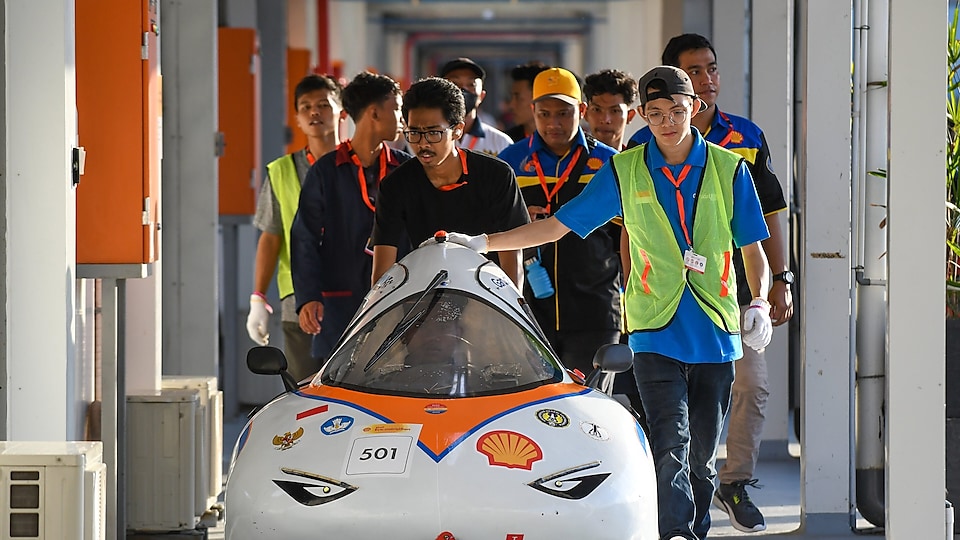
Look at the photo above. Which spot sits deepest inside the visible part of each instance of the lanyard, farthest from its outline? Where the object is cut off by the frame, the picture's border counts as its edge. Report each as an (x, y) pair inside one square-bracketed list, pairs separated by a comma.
[(463, 164), (362, 178), (560, 181), (676, 183), (730, 131), (473, 141), (310, 159)]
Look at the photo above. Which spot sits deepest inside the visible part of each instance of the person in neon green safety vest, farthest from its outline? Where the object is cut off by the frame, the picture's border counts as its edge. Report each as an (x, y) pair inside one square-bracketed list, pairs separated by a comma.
[(319, 114)]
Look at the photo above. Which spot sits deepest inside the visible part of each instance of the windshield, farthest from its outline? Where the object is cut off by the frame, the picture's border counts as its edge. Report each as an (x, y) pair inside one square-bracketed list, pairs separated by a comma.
[(452, 345)]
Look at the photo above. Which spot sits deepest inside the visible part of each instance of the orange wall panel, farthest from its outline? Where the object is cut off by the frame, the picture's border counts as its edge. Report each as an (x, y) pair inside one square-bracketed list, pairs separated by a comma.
[(118, 105), (239, 111), (298, 67)]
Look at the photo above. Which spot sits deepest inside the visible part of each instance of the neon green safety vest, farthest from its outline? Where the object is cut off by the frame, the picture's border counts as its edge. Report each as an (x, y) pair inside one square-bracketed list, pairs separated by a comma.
[(657, 274), (286, 188)]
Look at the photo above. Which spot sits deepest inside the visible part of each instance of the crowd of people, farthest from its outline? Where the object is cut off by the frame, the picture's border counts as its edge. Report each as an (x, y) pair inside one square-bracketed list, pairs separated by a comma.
[(677, 248)]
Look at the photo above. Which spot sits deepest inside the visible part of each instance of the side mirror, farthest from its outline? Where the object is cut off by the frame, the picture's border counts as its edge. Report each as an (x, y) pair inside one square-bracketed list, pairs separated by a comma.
[(613, 358), (610, 359), (271, 361)]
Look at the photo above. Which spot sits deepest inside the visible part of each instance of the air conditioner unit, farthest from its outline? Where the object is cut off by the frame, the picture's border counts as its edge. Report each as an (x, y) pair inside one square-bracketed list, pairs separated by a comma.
[(161, 460), (52, 490), (209, 457)]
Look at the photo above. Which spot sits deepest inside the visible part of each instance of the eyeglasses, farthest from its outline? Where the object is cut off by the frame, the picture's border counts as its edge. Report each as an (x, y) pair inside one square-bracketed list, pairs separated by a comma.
[(433, 136), (677, 116)]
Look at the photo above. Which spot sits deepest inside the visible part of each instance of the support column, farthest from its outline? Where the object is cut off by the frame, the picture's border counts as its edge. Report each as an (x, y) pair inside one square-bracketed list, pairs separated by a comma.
[(639, 19), (41, 119), (771, 107), (731, 40), (825, 268), (190, 328), (347, 17), (916, 190)]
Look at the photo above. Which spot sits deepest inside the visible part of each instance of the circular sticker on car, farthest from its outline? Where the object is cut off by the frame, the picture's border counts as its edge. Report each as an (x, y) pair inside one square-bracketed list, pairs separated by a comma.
[(553, 418), (337, 424), (594, 431)]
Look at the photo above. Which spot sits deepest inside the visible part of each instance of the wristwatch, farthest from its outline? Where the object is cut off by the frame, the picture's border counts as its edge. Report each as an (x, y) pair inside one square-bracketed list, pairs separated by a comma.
[(786, 277)]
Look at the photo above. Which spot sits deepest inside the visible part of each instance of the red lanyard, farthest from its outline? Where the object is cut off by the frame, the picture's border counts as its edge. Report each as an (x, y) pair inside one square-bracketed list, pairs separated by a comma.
[(463, 164), (310, 159), (730, 131), (676, 183), (560, 181), (362, 178), (473, 141)]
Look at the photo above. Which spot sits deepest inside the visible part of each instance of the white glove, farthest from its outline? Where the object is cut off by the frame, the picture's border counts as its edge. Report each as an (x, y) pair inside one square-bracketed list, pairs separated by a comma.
[(258, 319), (476, 243), (757, 329)]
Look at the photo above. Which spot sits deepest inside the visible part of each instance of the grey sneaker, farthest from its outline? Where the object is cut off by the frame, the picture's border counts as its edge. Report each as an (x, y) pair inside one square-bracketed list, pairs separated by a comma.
[(733, 499)]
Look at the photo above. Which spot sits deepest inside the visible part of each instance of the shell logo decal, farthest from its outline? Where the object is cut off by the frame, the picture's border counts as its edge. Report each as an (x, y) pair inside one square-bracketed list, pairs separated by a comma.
[(553, 418), (287, 440), (509, 449), (736, 137), (594, 163)]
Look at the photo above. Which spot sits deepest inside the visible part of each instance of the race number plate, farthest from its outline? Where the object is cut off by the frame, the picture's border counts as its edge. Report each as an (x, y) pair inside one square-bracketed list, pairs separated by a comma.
[(382, 449)]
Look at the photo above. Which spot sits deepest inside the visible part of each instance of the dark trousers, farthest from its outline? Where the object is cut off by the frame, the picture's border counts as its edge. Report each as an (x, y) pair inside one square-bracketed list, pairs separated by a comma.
[(685, 405)]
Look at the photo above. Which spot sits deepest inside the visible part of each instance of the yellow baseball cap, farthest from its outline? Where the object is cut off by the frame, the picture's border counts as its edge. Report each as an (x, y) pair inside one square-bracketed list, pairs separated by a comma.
[(557, 83)]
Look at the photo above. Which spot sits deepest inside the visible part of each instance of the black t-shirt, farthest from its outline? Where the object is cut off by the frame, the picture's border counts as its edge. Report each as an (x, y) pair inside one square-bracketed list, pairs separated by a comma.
[(411, 209)]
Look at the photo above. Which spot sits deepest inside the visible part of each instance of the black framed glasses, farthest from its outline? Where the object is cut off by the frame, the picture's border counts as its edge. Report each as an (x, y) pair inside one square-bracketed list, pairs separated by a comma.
[(677, 116), (431, 136)]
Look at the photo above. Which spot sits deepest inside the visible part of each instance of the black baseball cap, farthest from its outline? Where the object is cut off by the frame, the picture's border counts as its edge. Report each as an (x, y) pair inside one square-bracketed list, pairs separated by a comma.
[(662, 82), (461, 63)]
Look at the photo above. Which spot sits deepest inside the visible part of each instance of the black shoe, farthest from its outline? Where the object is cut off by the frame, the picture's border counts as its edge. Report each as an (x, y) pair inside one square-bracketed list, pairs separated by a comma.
[(733, 499)]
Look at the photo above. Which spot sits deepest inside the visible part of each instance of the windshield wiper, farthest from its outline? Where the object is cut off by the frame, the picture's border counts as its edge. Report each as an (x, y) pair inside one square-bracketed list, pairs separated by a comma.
[(406, 322)]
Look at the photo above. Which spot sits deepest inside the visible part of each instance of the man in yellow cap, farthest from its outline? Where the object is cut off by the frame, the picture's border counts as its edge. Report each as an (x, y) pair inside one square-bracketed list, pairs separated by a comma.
[(578, 306)]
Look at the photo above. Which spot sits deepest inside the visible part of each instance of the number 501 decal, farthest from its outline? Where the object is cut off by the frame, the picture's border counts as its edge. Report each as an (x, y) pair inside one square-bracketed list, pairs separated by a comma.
[(380, 455)]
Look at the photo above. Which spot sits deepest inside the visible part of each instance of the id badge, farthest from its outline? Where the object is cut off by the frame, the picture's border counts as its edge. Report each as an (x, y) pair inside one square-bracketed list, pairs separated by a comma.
[(697, 263)]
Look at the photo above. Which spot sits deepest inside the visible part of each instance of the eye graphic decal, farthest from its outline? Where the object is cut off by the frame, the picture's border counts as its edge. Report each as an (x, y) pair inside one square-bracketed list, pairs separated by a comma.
[(574, 488), (313, 494)]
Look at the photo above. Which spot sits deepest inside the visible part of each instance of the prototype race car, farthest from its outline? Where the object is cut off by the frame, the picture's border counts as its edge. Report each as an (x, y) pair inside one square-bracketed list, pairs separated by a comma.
[(442, 414)]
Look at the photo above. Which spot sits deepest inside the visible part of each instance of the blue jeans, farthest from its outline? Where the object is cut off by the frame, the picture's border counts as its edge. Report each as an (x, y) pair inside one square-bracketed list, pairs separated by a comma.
[(685, 405)]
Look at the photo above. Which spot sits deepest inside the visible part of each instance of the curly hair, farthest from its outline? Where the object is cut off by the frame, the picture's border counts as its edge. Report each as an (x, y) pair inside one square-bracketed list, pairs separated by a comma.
[(611, 81), (435, 93)]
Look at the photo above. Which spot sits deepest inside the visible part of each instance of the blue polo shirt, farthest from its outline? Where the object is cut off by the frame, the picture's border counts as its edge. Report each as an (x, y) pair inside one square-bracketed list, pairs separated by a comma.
[(691, 336)]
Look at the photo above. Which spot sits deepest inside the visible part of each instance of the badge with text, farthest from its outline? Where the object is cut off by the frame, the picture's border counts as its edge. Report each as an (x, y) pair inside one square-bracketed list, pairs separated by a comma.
[(697, 263), (553, 418)]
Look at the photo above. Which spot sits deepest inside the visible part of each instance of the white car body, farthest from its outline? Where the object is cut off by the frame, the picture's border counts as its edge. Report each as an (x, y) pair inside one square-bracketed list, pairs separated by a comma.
[(502, 445)]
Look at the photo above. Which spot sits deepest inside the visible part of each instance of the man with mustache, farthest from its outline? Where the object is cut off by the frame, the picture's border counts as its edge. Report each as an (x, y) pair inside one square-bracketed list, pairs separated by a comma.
[(319, 113), (447, 186), (469, 76)]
